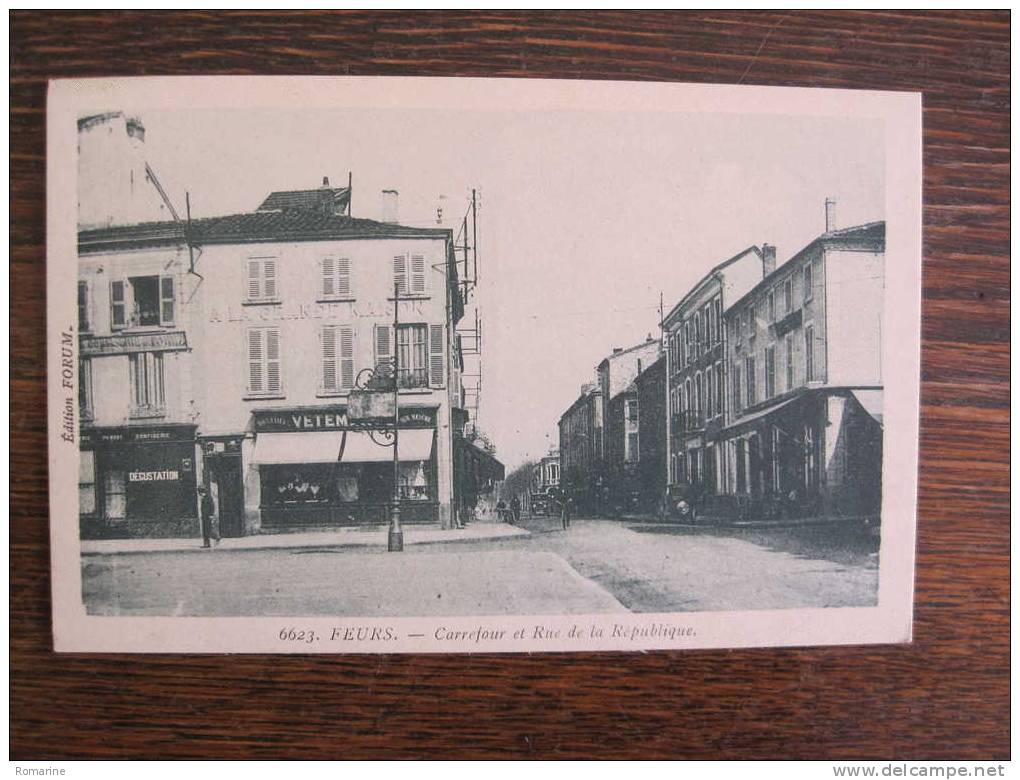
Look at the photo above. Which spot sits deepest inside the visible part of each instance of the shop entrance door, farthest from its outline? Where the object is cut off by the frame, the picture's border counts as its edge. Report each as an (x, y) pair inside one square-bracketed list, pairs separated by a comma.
[(226, 471)]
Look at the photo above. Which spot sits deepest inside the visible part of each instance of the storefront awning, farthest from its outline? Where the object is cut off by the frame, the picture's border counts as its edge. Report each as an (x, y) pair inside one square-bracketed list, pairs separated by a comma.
[(871, 400), (747, 419), (324, 447)]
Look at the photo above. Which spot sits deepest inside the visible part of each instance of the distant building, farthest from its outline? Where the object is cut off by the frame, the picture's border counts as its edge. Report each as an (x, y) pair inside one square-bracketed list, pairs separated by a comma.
[(617, 475), (652, 424), (546, 476), (803, 433), (696, 368), (581, 446)]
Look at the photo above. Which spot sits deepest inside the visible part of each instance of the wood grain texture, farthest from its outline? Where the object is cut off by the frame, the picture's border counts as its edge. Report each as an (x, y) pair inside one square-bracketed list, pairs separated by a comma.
[(946, 695)]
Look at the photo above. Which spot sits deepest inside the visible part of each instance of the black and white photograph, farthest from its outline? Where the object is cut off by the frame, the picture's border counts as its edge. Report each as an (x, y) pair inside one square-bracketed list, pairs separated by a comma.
[(416, 366)]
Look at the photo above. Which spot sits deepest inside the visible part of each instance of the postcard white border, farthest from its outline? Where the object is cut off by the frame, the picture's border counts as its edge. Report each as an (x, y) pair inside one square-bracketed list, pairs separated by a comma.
[(889, 621)]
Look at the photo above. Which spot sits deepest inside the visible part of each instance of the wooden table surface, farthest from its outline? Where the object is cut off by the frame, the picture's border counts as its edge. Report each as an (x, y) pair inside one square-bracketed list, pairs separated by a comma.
[(946, 695)]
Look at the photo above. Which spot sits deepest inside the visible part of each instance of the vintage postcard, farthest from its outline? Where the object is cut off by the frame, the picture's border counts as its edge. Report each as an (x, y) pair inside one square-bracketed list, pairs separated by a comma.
[(445, 365)]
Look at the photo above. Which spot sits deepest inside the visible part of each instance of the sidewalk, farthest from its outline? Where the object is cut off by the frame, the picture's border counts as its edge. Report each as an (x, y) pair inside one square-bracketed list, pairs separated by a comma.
[(374, 536)]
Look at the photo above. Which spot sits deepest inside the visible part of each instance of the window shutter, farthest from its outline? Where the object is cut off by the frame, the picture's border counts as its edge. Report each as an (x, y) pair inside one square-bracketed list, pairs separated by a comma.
[(117, 307), (273, 378), (383, 345), (166, 300), (343, 277), (328, 277), (329, 357), (346, 356), (254, 281), (436, 362), (269, 278), (255, 384), (417, 275), (400, 274)]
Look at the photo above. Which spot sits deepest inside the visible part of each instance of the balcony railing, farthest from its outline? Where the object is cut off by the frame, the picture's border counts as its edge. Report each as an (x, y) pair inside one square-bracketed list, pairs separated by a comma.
[(413, 377), (687, 422)]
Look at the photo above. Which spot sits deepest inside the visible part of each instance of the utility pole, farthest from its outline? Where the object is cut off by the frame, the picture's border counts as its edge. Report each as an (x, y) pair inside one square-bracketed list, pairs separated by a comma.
[(396, 535)]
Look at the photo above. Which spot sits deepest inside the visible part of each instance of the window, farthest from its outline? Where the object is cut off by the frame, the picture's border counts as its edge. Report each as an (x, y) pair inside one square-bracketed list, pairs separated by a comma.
[(737, 405), (809, 354), (750, 381), (85, 389), (147, 386), (336, 278), (140, 302), (789, 362), (810, 458), (771, 305), (808, 290), (412, 355), (719, 388), (262, 286), (688, 346), (84, 321), (265, 373), (751, 323), (770, 372), (86, 482), (631, 443), (788, 295), (409, 274), (337, 358), (710, 393), (115, 495)]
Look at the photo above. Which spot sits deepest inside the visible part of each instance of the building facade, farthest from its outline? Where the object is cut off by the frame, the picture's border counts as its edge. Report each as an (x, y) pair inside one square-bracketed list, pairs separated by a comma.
[(287, 310), (696, 370), (652, 425), (581, 437), (617, 477), (803, 434)]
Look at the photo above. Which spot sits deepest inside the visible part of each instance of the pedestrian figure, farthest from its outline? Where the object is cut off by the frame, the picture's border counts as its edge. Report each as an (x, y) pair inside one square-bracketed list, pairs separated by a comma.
[(515, 509), (565, 509), (501, 511), (208, 512)]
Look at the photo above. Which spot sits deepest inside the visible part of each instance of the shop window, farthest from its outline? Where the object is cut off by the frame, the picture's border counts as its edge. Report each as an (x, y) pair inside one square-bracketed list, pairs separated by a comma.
[(336, 278), (86, 482), (337, 358), (142, 302), (414, 484), (85, 410), (409, 274), (84, 320), (265, 373), (114, 495), (262, 281), (148, 398), (810, 458)]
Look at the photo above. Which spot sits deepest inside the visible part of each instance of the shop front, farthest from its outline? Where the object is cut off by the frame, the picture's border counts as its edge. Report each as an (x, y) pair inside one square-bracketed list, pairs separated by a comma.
[(313, 468), (137, 481)]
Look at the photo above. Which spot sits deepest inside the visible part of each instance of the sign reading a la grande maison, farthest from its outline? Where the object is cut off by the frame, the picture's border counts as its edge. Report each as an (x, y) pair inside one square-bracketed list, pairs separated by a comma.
[(332, 418)]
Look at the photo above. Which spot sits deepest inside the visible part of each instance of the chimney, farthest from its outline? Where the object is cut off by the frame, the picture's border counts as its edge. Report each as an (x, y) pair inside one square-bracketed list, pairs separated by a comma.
[(768, 259), (617, 350), (830, 215), (389, 206), (325, 181)]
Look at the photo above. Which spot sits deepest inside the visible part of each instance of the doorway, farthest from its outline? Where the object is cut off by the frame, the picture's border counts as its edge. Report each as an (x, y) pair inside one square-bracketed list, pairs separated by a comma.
[(226, 472)]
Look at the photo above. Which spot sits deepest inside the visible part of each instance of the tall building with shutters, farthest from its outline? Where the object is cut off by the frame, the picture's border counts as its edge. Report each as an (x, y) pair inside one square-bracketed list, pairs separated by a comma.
[(287, 305)]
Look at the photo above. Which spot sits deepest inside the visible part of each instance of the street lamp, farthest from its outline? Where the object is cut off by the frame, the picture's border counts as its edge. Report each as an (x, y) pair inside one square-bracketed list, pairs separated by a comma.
[(396, 534)]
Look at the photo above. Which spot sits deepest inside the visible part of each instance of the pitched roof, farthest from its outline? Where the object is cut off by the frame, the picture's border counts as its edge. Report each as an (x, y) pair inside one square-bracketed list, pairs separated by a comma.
[(258, 226), (709, 275), (325, 200)]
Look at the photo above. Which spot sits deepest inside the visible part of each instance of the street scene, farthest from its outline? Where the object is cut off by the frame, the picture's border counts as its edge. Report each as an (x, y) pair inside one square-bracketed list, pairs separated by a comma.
[(281, 405)]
